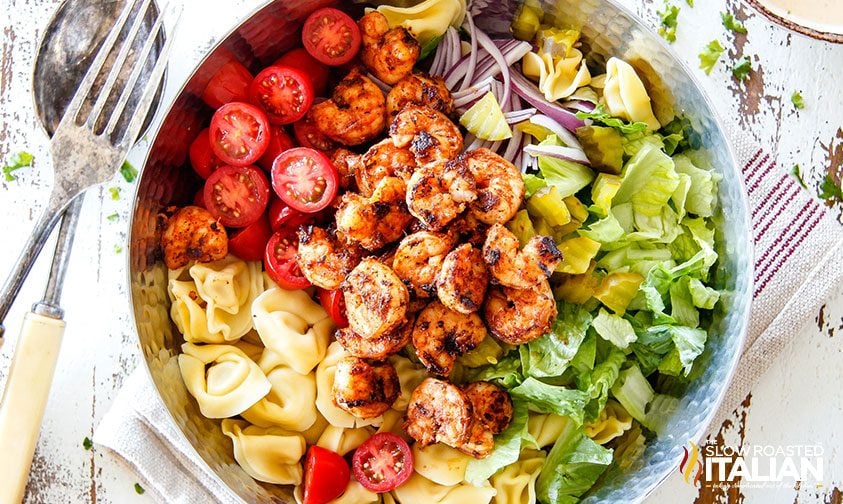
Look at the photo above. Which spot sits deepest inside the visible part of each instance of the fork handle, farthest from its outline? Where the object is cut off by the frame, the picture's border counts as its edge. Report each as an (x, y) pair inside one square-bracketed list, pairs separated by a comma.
[(24, 400)]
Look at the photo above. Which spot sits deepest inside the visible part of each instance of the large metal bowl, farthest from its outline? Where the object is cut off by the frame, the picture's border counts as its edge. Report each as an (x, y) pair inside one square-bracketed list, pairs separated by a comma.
[(608, 30)]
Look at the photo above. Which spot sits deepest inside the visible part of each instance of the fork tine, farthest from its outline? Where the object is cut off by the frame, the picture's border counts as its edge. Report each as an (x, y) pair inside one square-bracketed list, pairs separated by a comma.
[(117, 65), (148, 96), (87, 83)]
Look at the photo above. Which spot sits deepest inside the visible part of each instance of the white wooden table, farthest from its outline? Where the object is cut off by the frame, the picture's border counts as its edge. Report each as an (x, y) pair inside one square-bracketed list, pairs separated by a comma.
[(799, 401)]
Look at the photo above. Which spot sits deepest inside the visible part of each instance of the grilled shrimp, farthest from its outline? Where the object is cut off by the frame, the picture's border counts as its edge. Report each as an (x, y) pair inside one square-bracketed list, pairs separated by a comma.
[(441, 335), (324, 261), (438, 194), (492, 412), (439, 412), (500, 188), (383, 160), (375, 221), (470, 229), (347, 164), (419, 89), (192, 234), (432, 137), (378, 348), (515, 268), (375, 299), (389, 54), (365, 389), (462, 280), (418, 259), (356, 112), (518, 316)]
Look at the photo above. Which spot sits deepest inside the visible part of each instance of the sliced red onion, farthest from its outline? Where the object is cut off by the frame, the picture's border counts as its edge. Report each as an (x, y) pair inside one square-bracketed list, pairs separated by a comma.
[(438, 65), (514, 146), (517, 116), (386, 88), (462, 98), (581, 105), (566, 136), (495, 146), (534, 97), (528, 162), (511, 55), (472, 61), (559, 152), (456, 50)]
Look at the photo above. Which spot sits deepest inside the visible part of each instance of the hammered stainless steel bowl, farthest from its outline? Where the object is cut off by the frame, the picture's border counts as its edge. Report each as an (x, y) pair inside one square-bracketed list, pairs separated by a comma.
[(608, 30)]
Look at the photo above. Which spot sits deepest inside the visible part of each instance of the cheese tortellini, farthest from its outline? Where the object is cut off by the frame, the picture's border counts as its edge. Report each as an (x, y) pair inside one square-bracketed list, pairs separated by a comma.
[(613, 421), (290, 404), (625, 94), (420, 489), (516, 483), (271, 455), (223, 379), (559, 77), (335, 415), (440, 463), (342, 441), (211, 301), (426, 20), (546, 429), (409, 376), (293, 327)]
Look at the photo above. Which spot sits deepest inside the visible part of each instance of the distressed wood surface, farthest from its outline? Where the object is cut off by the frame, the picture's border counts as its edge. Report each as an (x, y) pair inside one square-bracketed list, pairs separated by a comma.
[(799, 401)]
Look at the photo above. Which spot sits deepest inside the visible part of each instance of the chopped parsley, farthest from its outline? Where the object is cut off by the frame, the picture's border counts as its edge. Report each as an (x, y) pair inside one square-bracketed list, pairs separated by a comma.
[(679, 135), (113, 217), (18, 160), (118, 249), (87, 443), (829, 189), (710, 55), (128, 171), (669, 22), (797, 100), (742, 68), (731, 23), (796, 171), (139, 489), (600, 115), (115, 193), (690, 3)]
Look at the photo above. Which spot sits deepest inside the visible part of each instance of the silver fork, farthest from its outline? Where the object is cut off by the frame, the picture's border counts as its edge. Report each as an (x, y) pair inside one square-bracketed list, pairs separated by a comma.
[(85, 153)]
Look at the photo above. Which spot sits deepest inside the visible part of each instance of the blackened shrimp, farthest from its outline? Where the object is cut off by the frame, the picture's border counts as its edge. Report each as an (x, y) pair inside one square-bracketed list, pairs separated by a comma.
[(438, 194), (356, 112), (418, 259), (430, 135), (500, 188), (518, 316), (375, 348), (377, 220), (492, 413), (441, 335), (389, 53), (347, 164), (462, 280), (383, 160), (421, 90), (365, 389), (324, 261), (375, 299), (470, 229), (516, 268), (193, 234), (439, 412)]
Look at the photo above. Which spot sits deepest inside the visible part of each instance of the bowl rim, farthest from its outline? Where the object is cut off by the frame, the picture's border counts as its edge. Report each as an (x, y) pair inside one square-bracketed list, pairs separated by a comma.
[(836, 38)]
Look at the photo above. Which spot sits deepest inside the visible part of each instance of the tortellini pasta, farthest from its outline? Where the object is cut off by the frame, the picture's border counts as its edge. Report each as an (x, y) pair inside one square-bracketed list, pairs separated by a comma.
[(335, 415), (342, 441), (293, 327), (271, 455), (428, 19), (546, 429), (290, 404), (409, 376), (625, 95), (223, 379), (613, 421), (211, 303), (559, 77), (516, 483), (393, 421), (419, 489), (440, 463)]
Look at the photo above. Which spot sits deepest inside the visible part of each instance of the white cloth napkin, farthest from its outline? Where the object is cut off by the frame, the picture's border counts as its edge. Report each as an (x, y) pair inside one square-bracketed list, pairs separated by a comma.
[(797, 265)]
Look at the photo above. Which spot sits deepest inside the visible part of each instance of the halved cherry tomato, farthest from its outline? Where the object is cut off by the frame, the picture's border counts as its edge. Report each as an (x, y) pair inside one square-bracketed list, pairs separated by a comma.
[(305, 179), (333, 301), (237, 195), (331, 36), (229, 84), (383, 462), (280, 260), (202, 158), (279, 141), (308, 135), (249, 243), (284, 93), (326, 476), (282, 216), (310, 66), (199, 198), (239, 133)]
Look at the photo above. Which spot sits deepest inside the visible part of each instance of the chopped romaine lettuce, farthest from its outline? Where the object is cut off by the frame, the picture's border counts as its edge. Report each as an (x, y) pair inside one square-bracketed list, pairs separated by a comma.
[(544, 398), (507, 447), (634, 392), (532, 184), (573, 465), (614, 328), (662, 407), (551, 354), (568, 177)]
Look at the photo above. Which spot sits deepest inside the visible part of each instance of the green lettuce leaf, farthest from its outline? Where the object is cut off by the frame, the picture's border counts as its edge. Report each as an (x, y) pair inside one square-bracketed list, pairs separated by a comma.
[(634, 392), (598, 382), (614, 328), (544, 398), (551, 354), (571, 468), (702, 196), (507, 447), (662, 407), (649, 180), (568, 177)]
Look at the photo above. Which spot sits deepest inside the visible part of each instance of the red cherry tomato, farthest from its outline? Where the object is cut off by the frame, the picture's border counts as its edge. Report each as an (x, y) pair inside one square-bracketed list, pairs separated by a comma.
[(280, 260), (331, 36), (279, 141), (239, 133), (305, 179), (383, 462), (310, 66), (250, 242), (308, 135), (326, 476), (237, 195), (199, 198), (229, 84), (284, 93), (202, 158), (282, 216), (334, 303)]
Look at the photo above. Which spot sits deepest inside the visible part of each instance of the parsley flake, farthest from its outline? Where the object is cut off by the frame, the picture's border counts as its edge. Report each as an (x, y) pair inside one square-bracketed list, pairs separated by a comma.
[(796, 171), (829, 189), (118, 249), (128, 171), (710, 55), (690, 3), (113, 217), (742, 68), (87, 443), (669, 22), (18, 160), (731, 23), (115, 193), (600, 115), (797, 100), (139, 489)]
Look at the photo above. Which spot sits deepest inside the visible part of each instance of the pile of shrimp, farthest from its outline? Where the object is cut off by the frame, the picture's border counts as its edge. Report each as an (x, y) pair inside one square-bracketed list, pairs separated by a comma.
[(420, 249)]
